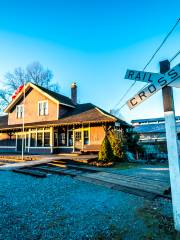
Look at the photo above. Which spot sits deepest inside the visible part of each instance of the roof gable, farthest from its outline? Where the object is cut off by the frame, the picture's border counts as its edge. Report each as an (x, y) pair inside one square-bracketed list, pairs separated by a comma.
[(56, 97), (59, 97)]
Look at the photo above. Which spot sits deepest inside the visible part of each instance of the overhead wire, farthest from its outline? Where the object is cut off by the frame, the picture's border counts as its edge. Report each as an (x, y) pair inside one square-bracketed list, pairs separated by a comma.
[(150, 60), (175, 56)]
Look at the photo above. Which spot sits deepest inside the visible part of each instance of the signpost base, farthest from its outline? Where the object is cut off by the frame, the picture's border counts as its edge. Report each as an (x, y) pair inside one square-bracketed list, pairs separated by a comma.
[(172, 145), (174, 165)]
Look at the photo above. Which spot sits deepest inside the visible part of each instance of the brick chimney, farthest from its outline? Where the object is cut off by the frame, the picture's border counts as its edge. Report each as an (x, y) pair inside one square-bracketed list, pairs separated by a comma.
[(74, 93)]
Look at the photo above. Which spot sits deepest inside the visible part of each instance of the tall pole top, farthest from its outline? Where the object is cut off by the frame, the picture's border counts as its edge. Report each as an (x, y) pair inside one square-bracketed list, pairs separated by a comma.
[(164, 66)]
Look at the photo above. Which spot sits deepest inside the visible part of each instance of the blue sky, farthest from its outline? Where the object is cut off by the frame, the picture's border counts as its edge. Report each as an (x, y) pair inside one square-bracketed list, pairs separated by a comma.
[(92, 43)]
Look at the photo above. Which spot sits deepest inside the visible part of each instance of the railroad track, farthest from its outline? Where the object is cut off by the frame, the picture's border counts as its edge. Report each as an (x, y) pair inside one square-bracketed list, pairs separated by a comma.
[(56, 167), (132, 184)]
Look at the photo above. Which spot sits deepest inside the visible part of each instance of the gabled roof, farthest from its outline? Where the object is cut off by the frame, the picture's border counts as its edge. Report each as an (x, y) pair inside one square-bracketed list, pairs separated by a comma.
[(82, 113), (59, 97), (3, 121), (87, 112), (56, 97)]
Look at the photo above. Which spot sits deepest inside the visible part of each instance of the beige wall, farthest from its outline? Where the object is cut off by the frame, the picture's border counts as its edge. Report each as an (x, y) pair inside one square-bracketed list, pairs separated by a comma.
[(31, 109), (97, 135)]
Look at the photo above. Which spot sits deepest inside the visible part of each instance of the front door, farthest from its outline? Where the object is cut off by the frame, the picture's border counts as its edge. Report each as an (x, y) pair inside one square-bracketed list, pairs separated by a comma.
[(70, 138), (78, 139)]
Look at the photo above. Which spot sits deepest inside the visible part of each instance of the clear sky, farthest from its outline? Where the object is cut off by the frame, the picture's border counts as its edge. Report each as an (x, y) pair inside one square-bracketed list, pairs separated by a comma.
[(92, 43)]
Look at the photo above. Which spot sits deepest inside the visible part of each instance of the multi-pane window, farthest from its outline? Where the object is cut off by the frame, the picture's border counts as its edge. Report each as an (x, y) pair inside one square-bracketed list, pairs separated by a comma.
[(55, 139), (43, 108), (27, 140), (70, 137), (86, 137), (47, 139), (39, 139), (19, 111), (33, 140), (78, 136), (62, 139)]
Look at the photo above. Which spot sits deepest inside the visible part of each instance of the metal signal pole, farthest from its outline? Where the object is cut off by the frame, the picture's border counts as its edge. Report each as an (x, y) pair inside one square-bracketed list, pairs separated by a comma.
[(172, 145)]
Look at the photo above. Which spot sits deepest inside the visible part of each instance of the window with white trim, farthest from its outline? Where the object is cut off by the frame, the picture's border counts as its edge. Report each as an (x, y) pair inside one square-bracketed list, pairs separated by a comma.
[(19, 111), (43, 108)]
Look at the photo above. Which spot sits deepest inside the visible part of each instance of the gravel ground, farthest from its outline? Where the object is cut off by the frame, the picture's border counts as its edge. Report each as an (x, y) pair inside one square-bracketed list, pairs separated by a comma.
[(60, 207)]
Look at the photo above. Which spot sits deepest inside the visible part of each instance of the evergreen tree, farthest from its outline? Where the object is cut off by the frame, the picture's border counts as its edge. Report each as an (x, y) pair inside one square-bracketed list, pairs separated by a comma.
[(106, 152), (117, 142)]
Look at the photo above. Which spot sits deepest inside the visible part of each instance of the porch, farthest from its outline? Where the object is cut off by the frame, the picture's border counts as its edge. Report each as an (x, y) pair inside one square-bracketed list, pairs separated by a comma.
[(54, 139)]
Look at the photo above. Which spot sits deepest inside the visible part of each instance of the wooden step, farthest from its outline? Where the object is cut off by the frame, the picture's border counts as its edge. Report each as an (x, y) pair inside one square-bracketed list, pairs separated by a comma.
[(58, 165), (30, 172), (58, 171)]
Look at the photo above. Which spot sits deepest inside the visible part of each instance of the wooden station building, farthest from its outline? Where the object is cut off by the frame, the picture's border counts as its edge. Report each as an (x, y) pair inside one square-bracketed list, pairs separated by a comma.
[(53, 123)]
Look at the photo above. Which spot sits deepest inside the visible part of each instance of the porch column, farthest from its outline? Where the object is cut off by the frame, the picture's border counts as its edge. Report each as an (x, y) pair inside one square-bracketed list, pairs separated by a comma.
[(73, 139), (82, 137), (51, 138), (89, 134), (16, 141), (29, 139), (67, 136)]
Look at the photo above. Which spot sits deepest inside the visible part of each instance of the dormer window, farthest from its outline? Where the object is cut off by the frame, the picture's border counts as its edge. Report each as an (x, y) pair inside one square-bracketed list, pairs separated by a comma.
[(43, 108), (19, 111)]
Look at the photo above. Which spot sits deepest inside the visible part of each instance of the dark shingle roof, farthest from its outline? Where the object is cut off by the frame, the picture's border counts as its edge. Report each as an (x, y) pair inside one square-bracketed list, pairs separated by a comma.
[(3, 121), (61, 98), (85, 113), (82, 113)]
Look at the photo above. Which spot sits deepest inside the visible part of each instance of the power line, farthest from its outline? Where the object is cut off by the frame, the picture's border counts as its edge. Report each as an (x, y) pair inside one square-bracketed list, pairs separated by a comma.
[(160, 46), (175, 56), (150, 60)]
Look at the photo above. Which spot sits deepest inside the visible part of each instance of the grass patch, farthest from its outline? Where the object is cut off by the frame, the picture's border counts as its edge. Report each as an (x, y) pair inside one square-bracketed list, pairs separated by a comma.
[(126, 165), (158, 226)]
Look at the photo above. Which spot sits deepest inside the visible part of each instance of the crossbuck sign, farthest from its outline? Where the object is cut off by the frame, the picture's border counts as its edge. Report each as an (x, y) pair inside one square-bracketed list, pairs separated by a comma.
[(156, 82)]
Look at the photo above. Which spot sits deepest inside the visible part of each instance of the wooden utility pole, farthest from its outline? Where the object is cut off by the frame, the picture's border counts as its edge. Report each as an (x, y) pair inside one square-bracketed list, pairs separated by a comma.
[(172, 145)]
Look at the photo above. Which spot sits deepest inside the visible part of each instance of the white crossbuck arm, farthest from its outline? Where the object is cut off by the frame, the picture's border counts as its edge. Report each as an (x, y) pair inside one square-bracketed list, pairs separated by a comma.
[(157, 81), (148, 77)]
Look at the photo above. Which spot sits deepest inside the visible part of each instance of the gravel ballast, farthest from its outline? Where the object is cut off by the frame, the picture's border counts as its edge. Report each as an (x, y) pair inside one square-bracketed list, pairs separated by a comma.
[(60, 207)]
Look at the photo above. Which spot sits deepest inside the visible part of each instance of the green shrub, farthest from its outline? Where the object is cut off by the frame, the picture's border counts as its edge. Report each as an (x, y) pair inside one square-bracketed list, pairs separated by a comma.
[(106, 152), (116, 141)]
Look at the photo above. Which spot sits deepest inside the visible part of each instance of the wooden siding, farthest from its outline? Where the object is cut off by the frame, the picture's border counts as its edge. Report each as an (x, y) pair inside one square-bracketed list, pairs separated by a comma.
[(97, 135), (31, 109)]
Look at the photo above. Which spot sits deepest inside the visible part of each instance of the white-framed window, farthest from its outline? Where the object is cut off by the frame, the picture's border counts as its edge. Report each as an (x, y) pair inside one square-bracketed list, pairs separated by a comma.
[(19, 111), (43, 108)]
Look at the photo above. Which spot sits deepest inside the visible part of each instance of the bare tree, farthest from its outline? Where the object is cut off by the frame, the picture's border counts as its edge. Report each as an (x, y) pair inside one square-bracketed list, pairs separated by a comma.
[(13, 80), (4, 96), (34, 73), (38, 75)]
